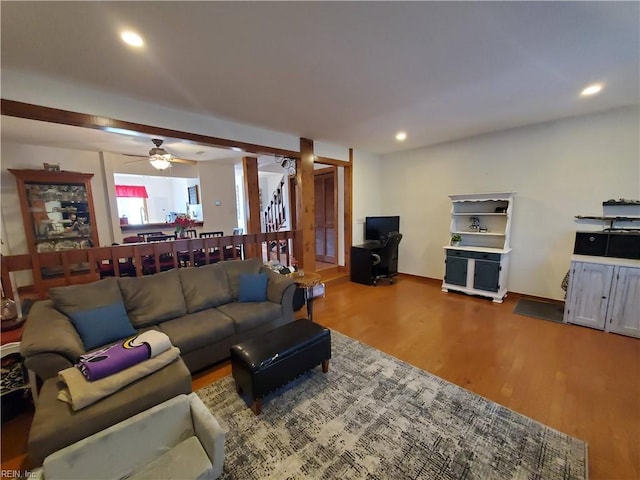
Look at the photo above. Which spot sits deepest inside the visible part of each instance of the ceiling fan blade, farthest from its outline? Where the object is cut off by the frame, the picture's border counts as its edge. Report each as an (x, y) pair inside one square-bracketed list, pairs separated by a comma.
[(183, 160), (172, 159), (139, 159)]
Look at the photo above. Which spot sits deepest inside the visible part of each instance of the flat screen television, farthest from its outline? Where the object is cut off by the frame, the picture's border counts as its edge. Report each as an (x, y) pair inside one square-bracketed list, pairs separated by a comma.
[(378, 228)]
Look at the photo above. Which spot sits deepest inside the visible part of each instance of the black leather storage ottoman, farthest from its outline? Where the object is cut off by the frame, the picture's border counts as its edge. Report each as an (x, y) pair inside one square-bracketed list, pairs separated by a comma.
[(262, 364)]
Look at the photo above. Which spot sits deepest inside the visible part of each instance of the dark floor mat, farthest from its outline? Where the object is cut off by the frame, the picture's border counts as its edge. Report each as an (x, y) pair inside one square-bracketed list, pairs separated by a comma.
[(539, 309)]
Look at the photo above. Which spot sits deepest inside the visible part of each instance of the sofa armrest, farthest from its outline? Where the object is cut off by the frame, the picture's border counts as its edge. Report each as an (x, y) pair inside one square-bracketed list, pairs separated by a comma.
[(209, 433), (48, 339), (277, 286), (127, 446)]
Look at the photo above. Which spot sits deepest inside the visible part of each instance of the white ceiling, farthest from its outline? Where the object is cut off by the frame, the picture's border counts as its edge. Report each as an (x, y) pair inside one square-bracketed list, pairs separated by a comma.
[(348, 73)]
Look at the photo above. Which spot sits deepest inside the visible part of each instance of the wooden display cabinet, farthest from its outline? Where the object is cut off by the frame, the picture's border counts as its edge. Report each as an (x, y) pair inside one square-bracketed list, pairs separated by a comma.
[(57, 211)]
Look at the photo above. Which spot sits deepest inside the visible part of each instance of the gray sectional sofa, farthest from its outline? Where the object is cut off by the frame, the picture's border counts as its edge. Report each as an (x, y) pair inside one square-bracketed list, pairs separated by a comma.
[(196, 307)]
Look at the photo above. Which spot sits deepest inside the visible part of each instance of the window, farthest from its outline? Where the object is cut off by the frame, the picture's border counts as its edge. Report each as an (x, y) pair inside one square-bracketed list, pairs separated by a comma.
[(132, 203), (134, 209)]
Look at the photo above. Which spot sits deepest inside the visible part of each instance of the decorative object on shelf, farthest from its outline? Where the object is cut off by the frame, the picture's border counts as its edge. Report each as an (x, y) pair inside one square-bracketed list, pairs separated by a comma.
[(183, 222), (456, 238), (289, 164), (9, 309), (475, 224), (10, 318), (50, 167)]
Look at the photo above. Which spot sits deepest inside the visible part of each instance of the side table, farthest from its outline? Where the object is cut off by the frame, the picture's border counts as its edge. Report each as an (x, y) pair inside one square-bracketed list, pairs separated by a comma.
[(306, 281), (10, 345)]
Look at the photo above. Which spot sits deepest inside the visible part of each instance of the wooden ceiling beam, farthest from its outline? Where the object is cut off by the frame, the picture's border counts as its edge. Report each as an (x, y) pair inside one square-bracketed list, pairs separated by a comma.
[(29, 111)]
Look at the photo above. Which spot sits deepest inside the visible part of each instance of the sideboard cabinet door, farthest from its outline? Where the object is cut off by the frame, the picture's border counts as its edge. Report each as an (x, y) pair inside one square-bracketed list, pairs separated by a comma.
[(456, 270), (590, 289), (624, 311)]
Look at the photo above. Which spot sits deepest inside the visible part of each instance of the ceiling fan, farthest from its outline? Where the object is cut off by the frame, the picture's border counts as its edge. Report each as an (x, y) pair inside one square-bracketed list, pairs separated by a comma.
[(160, 159)]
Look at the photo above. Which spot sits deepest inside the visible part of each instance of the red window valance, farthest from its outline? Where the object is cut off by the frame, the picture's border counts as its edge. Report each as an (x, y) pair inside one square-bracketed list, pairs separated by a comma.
[(136, 191)]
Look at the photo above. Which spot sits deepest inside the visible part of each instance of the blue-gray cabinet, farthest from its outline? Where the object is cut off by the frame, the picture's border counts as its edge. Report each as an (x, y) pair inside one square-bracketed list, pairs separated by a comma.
[(486, 276), (456, 270)]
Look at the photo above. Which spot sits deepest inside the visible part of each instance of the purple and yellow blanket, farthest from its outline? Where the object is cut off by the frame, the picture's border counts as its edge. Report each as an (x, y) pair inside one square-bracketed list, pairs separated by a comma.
[(122, 355)]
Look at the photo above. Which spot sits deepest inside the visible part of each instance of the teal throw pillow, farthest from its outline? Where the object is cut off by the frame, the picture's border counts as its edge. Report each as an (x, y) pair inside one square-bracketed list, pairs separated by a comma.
[(253, 287), (102, 325)]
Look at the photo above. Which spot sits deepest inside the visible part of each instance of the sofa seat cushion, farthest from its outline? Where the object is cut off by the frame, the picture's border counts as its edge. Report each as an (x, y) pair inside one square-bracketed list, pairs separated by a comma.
[(55, 425), (153, 298), (196, 330), (247, 316), (204, 287), (87, 296), (186, 460)]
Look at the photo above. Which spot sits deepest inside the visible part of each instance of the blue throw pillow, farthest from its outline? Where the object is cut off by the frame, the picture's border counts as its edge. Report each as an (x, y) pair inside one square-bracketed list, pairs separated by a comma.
[(253, 287), (102, 325)]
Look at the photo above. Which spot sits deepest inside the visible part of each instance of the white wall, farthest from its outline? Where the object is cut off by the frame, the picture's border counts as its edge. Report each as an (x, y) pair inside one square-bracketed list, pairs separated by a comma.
[(166, 194), (367, 191), (18, 156), (558, 170), (217, 182), (116, 163)]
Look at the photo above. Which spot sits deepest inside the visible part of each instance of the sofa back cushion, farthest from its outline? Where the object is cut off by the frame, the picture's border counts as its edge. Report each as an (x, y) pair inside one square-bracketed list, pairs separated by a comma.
[(235, 268), (153, 298), (74, 298), (204, 287), (253, 287)]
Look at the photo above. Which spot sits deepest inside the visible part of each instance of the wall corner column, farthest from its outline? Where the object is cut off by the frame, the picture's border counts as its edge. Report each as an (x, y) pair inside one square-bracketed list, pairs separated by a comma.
[(305, 247), (252, 199)]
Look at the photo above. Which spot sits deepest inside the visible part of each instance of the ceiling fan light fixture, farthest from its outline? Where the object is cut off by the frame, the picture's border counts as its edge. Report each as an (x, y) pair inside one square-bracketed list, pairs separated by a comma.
[(159, 158), (159, 162), (132, 39)]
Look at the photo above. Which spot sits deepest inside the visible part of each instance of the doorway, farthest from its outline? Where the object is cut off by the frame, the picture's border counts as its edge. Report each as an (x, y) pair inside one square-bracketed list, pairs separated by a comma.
[(326, 216)]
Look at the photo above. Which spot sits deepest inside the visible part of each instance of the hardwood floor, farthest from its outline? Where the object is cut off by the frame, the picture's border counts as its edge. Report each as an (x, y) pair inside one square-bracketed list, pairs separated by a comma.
[(579, 381)]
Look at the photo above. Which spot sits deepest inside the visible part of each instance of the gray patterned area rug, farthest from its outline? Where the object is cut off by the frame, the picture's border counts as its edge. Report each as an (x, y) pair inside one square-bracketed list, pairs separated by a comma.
[(373, 416)]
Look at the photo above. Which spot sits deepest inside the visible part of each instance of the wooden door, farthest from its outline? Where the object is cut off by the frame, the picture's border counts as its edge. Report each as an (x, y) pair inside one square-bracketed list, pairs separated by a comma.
[(326, 221)]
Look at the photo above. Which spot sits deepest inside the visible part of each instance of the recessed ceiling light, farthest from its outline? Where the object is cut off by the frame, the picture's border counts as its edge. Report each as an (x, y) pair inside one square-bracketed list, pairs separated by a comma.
[(237, 149), (132, 38), (401, 136), (591, 90)]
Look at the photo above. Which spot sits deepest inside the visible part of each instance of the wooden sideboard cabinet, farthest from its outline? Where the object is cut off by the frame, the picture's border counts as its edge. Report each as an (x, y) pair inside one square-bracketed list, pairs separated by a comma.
[(604, 294), (57, 210)]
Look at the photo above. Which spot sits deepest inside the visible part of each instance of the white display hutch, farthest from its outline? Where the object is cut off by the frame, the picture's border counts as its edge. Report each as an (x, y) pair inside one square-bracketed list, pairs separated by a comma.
[(479, 264)]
